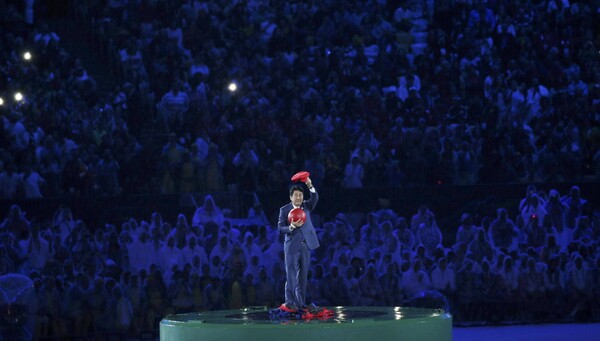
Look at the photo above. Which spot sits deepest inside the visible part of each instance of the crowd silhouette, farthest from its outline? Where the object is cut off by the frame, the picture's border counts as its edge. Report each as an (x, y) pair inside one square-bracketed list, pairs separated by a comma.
[(362, 94)]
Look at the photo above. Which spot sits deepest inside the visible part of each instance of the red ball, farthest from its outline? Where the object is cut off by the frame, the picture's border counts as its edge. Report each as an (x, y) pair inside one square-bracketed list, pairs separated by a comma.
[(297, 214)]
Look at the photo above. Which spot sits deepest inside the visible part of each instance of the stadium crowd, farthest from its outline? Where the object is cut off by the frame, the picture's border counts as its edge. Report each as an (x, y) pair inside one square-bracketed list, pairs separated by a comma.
[(460, 93), (496, 92), (539, 265)]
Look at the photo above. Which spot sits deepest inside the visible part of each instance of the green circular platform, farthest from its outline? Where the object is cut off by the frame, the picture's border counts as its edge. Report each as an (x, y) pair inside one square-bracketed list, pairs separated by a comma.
[(348, 323)]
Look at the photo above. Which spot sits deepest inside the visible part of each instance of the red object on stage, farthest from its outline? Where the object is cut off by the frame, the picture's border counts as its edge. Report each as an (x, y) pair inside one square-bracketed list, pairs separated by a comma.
[(297, 214), (300, 176)]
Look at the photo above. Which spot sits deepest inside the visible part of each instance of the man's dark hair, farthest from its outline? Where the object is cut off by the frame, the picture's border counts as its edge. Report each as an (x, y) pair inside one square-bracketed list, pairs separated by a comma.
[(295, 188)]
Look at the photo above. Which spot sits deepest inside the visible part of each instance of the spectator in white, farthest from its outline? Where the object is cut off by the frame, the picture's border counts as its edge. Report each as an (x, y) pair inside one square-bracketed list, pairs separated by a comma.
[(192, 250), (385, 213), (370, 289), (175, 34), (64, 222), (218, 269), (470, 59), (509, 274), (574, 206), (443, 278), (583, 232), (534, 95), (15, 223), (370, 233), (370, 51), (68, 148), (464, 162), (273, 257), (553, 280), (10, 182), (359, 249), (467, 231), (264, 239), (134, 228), (79, 77), (168, 256), (155, 221), (173, 106), (407, 81), (200, 93), (45, 36), (404, 234), (391, 245), (208, 212), (353, 173), (265, 289), (250, 248), (343, 231), (333, 286), (577, 274), (253, 266), (181, 231), (423, 215), (17, 132), (482, 17), (35, 250), (365, 156), (53, 306), (430, 236), (172, 157), (201, 148), (212, 168), (390, 284), (131, 58), (180, 293), (140, 253), (75, 300), (535, 232), (555, 210), (579, 283), (480, 247), (517, 104), (368, 140), (123, 310), (532, 281), (503, 232), (196, 267), (415, 279), (99, 241), (257, 216), (107, 171), (488, 88), (531, 191), (156, 242), (532, 207), (222, 250), (246, 162), (198, 67)]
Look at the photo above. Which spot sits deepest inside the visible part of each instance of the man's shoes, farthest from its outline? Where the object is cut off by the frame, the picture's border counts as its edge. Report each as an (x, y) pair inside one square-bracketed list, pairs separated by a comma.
[(311, 308), (288, 308)]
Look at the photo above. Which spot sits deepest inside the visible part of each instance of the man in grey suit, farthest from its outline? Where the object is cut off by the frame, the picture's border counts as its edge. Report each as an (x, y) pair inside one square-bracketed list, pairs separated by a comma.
[(300, 238)]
